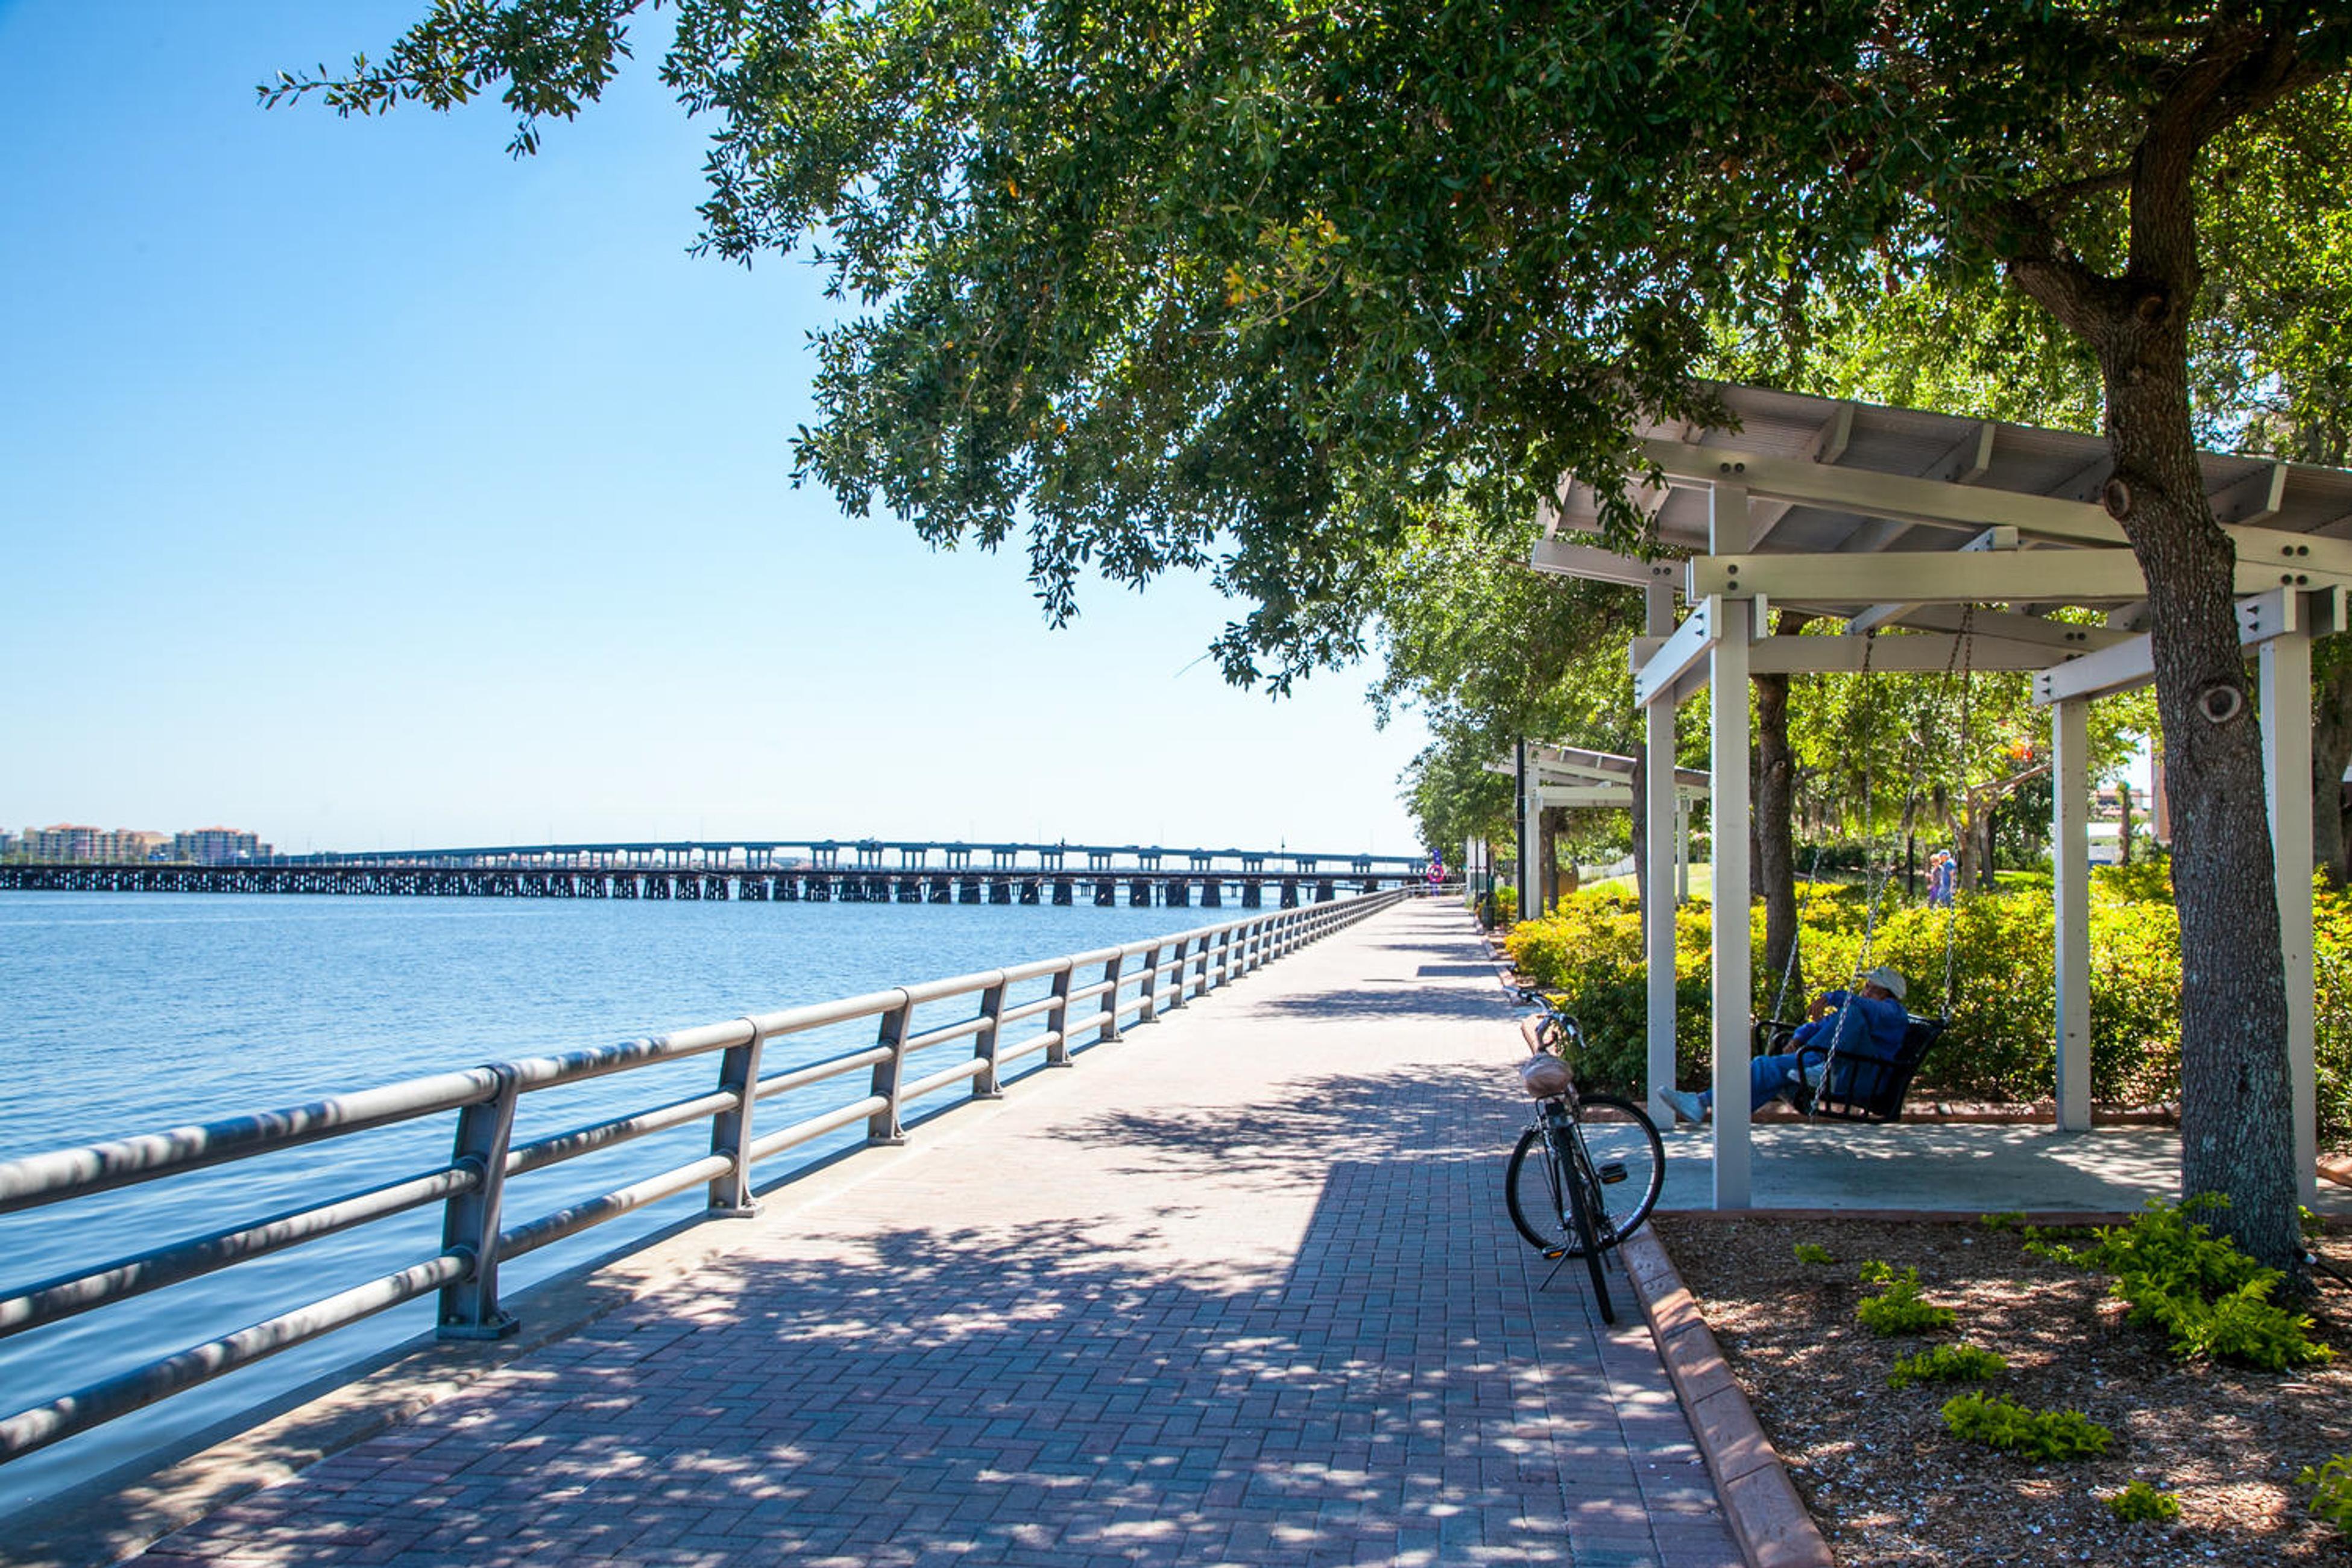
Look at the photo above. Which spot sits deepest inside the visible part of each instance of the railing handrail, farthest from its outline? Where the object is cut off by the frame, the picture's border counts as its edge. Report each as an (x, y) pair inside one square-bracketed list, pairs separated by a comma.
[(470, 1184)]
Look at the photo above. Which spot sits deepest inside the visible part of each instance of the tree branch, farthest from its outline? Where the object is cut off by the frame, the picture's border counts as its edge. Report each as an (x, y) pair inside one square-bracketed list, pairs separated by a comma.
[(2051, 196)]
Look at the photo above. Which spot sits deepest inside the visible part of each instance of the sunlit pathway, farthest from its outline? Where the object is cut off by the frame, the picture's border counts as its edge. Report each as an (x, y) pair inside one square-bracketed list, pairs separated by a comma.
[(1238, 1289)]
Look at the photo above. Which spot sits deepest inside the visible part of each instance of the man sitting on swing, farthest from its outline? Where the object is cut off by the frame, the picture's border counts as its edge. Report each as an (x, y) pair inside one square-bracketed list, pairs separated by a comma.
[(1866, 1023)]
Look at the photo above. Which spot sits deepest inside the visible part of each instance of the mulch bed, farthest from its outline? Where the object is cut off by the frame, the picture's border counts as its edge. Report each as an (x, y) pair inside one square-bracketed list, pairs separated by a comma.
[(1889, 1484)]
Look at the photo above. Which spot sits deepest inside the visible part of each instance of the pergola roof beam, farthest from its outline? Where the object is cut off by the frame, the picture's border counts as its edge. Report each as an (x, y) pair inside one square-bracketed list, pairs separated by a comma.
[(2256, 498), (1877, 615), (1595, 564), (2008, 577), (1925, 652), (1898, 497), (1828, 444), (2008, 626), (2131, 664)]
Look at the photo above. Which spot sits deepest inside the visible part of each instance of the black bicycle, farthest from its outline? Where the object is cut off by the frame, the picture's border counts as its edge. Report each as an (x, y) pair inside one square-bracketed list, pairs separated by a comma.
[(1588, 1169)]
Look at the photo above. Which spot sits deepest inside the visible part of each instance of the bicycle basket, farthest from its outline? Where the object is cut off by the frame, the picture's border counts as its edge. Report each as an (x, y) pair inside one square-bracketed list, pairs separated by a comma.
[(1543, 1076)]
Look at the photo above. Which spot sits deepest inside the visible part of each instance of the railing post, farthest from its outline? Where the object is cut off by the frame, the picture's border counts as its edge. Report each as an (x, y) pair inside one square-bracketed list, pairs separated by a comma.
[(984, 1085), (469, 1219), (730, 1131), (882, 1127), (1114, 969), (1177, 971), (1057, 1020), (1150, 985)]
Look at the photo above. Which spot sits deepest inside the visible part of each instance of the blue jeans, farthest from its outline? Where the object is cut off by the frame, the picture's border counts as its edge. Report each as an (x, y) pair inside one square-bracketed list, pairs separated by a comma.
[(1769, 1078)]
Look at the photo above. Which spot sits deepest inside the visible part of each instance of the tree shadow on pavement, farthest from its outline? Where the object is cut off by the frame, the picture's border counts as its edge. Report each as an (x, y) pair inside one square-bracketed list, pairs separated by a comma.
[(1018, 1394)]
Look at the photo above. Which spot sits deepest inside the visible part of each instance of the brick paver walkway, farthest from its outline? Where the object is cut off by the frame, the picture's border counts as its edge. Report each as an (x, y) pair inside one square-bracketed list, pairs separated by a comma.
[(1238, 1289)]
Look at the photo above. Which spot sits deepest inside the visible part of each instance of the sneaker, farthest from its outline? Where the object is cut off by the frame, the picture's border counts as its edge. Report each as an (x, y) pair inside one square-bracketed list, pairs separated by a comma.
[(1686, 1105)]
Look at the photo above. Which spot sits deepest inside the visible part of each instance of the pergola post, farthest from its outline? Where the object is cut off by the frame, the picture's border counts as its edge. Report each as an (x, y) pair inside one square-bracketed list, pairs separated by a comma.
[(2285, 687), (1663, 846), (1530, 821), (1728, 764), (2070, 860)]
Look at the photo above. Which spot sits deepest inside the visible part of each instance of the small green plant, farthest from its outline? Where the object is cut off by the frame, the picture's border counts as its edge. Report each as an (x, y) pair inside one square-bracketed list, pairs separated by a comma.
[(2243, 1326), (1899, 1308), (1948, 1363), (2142, 1502), (1874, 1273), (2008, 1219), (2331, 1493), (2210, 1299), (1808, 1253), (2006, 1425)]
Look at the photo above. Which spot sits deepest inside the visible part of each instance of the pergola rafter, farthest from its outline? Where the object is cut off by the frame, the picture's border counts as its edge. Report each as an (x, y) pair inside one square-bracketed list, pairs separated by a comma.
[(1550, 775), (1895, 521)]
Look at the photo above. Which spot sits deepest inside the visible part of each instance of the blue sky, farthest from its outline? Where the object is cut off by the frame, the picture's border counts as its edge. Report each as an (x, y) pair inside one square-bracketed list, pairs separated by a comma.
[(361, 486)]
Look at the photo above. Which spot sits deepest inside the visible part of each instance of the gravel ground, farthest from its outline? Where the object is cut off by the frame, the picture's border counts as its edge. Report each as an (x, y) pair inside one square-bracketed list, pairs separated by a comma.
[(1890, 1485)]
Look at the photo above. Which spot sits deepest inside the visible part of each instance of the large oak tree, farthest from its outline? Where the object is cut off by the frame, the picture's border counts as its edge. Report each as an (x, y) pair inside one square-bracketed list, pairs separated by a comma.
[(1241, 284)]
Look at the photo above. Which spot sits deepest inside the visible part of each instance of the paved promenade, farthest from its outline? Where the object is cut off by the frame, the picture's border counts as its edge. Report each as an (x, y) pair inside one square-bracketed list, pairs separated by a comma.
[(1238, 1289)]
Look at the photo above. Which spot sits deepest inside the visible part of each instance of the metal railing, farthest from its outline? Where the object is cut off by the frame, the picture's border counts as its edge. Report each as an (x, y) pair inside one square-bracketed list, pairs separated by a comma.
[(1123, 984)]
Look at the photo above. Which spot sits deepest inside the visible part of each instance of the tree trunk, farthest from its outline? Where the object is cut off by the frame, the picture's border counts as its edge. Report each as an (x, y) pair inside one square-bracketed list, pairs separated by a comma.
[(2331, 752), (2124, 829), (1773, 853), (1548, 858), (2236, 1135)]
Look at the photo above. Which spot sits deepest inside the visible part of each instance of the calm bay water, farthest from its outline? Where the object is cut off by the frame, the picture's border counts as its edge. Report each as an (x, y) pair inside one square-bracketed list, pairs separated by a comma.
[(127, 1013)]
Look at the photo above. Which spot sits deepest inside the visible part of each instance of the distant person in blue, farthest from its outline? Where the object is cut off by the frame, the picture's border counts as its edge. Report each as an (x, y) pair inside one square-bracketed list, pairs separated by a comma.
[(1866, 1023), (1942, 872)]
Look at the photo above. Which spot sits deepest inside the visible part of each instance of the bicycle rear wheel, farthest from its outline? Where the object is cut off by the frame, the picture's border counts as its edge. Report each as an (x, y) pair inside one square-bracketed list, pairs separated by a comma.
[(1628, 1162)]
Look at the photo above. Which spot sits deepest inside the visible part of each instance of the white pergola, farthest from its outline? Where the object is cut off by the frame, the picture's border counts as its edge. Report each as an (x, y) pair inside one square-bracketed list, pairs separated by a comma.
[(1895, 521), (1550, 775)]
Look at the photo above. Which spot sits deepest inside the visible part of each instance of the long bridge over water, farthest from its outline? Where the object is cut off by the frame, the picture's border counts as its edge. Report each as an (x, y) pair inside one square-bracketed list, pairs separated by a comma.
[(860, 870)]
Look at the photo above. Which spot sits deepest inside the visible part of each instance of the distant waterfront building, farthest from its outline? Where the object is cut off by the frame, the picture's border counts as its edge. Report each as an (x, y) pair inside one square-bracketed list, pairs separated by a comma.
[(10, 846), (62, 841), (217, 846), (86, 845)]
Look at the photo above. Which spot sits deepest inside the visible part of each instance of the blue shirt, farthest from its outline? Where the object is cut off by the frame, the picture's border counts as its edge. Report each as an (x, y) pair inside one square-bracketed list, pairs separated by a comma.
[(1873, 1026)]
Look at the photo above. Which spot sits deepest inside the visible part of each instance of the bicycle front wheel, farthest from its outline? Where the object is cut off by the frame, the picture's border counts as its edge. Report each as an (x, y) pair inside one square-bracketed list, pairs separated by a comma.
[(1628, 1163), (1627, 1158)]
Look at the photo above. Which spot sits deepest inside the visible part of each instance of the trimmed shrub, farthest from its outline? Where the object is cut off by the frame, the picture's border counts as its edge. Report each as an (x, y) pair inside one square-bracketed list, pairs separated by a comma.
[(2031, 1434), (1899, 1308), (2140, 1502), (2211, 1300), (1948, 1363), (1808, 1252)]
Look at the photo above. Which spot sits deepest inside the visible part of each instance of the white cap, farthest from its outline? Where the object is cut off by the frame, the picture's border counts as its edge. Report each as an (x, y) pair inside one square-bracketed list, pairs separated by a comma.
[(1888, 980)]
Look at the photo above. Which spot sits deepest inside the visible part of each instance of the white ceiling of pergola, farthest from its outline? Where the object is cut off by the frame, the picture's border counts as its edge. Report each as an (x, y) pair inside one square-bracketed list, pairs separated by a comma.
[(2294, 497), (1931, 524)]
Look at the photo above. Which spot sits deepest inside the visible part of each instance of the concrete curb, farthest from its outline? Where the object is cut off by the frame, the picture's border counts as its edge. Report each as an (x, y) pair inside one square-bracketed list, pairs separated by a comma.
[(1768, 1519)]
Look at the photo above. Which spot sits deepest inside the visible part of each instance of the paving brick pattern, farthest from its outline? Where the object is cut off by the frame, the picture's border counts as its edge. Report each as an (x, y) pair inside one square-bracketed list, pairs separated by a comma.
[(1237, 1289)]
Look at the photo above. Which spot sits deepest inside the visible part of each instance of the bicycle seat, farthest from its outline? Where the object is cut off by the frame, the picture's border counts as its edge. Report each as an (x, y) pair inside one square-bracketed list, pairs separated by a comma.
[(1545, 1076)]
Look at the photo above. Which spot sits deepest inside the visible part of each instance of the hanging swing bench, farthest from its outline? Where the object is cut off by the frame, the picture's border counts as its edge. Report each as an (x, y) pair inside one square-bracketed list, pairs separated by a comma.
[(1848, 1085)]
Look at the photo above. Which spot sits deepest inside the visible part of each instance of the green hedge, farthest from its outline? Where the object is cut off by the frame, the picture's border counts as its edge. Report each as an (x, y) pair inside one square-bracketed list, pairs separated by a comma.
[(1999, 1046)]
